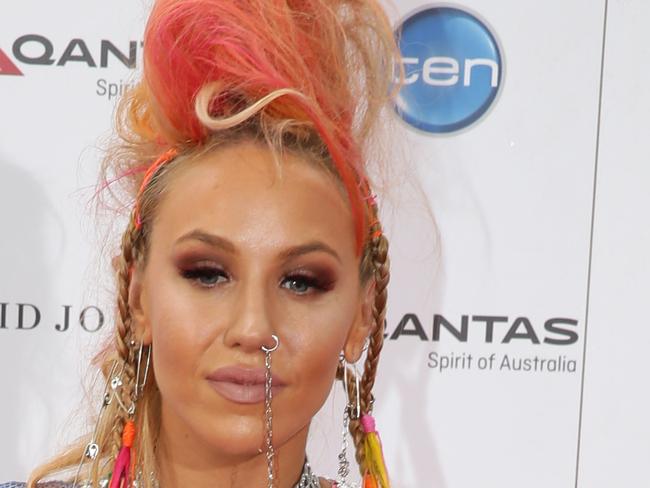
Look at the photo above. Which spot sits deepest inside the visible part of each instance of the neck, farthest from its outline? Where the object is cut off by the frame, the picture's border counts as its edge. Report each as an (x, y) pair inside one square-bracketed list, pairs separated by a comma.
[(185, 459)]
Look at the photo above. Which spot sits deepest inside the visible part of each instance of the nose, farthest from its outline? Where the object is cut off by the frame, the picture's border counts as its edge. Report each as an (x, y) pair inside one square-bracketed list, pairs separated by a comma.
[(250, 326)]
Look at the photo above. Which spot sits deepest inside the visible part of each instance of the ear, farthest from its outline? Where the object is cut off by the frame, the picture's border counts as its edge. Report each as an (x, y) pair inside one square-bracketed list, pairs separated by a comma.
[(363, 324), (137, 302)]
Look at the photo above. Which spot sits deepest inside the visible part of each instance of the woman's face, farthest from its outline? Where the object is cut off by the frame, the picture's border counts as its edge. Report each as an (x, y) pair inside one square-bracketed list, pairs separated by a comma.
[(240, 250)]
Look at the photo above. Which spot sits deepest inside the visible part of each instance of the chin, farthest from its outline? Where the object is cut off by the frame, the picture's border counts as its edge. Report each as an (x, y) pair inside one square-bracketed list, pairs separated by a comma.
[(237, 429), (233, 435), (242, 433)]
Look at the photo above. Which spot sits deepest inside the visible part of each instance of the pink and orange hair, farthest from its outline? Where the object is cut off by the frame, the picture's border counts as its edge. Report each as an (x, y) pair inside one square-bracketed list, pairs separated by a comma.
[(322, 64)]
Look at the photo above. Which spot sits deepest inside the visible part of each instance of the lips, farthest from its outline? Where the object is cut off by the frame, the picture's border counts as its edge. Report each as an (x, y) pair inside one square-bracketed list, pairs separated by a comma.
[(239, 384)]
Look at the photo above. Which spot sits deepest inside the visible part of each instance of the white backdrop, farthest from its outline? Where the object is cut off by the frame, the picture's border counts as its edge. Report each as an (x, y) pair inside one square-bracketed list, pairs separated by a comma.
[(542, 232)]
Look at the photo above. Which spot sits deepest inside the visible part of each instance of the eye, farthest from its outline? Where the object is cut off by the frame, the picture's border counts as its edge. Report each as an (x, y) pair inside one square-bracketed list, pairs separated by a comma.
[(302, 284), (205, 276)]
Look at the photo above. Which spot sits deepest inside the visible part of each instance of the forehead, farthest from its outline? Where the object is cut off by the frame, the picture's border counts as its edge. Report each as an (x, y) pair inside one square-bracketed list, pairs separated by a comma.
[(242, 193)]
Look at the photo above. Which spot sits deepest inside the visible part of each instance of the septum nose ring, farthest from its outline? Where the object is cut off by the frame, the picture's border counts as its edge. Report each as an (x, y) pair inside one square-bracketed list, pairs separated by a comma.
[(274, 347)]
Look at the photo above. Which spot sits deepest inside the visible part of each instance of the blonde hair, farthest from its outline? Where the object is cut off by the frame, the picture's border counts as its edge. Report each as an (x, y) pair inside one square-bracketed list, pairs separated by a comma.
[(307, 76)]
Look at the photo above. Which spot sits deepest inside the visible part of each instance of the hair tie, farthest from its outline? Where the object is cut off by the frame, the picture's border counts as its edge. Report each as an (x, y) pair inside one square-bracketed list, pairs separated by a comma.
[(165, 157)]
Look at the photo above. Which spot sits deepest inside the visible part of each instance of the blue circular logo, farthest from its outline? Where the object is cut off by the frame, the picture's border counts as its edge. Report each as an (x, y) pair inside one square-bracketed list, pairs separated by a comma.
[(453, 69)]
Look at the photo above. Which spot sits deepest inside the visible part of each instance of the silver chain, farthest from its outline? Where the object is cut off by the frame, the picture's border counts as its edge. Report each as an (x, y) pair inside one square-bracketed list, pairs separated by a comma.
[(352, 410), (344, 464), (268, 415)]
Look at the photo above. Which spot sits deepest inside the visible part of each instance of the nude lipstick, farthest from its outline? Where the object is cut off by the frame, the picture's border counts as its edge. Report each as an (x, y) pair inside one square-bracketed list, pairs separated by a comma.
[(243, 385)]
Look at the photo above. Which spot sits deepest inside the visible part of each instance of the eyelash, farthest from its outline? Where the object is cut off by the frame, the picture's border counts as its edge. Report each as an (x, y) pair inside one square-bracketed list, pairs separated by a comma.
[(196, 275), (315, 284)]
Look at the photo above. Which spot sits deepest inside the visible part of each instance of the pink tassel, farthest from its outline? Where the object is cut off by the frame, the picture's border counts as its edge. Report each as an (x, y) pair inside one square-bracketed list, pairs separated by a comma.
[(120, 471), (120, 475)]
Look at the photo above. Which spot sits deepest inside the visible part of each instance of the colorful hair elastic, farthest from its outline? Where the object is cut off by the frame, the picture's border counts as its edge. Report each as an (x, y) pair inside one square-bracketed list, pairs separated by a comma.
[(120, 476), (376, 474), (370, 198), (164, 158)]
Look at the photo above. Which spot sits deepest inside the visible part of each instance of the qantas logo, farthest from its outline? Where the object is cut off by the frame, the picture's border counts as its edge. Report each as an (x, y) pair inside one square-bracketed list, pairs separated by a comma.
[(36, 49)]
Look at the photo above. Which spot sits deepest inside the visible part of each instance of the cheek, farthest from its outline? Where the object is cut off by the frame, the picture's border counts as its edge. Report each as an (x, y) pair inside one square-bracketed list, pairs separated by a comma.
[(315, 336), (180, 333)]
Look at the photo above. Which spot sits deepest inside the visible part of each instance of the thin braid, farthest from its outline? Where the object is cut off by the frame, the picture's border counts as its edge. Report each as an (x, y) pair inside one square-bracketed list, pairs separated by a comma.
[(123, 332), (382, 277), (381, 264)]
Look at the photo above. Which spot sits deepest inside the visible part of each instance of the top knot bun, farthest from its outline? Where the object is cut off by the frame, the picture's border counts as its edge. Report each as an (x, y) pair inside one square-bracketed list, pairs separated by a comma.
[(332, 52)]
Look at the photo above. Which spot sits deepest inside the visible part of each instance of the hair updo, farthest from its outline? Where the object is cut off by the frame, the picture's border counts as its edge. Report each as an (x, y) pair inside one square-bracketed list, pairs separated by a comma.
[(308, 76)]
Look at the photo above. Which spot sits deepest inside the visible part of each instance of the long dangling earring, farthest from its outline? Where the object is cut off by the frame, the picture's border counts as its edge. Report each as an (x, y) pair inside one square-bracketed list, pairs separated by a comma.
[(352, 411), (120, 476), (92, 448), (114, 383), (268, 415), (138, 392)]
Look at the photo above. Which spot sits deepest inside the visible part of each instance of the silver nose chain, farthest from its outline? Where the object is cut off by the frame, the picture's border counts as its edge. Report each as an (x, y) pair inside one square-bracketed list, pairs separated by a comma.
[(307, 478), (268, 414)]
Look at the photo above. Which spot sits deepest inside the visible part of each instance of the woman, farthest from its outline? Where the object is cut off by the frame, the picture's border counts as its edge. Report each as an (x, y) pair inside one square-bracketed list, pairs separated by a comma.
[(253, 266)]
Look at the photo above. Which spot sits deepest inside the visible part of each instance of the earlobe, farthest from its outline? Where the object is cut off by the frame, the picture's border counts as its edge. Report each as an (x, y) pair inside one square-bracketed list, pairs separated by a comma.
[(363, 325), (139, 320)]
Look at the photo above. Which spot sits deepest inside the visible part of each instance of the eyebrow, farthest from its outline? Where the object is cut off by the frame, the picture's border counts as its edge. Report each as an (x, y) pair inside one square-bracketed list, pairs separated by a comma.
[(228, 246), (313, 246), (209, 239)]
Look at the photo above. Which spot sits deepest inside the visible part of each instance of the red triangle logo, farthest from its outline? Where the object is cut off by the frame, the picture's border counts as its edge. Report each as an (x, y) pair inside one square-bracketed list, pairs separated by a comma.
[(7, 66)]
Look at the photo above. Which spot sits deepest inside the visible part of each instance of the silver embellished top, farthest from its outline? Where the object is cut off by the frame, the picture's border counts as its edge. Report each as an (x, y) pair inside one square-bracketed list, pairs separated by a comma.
[(47, 484), (307, 480)]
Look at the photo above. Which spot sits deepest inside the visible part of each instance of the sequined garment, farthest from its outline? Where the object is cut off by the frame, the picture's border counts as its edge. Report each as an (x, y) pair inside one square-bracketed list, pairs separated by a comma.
[(46, 484), (307, 480), (304, 483), (50, 484)]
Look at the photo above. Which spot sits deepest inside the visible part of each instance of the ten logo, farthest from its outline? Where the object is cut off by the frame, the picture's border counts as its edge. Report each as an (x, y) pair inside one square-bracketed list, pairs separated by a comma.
[(453, 68)]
